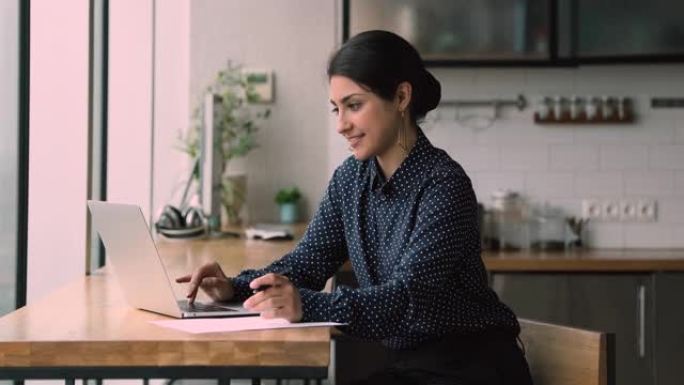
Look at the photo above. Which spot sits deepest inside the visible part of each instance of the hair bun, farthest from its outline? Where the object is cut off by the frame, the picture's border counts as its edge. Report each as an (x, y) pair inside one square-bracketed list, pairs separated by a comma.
[(428, 94)]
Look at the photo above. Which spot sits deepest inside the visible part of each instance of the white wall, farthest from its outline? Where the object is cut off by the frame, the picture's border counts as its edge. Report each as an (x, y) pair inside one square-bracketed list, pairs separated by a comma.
[(58, 144), (564, 164), (130, 109), (294, 38), (171, 100)]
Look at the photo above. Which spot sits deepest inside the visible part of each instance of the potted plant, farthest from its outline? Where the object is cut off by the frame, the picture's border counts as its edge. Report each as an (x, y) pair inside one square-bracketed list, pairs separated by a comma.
[(236, 117), (287, 199)]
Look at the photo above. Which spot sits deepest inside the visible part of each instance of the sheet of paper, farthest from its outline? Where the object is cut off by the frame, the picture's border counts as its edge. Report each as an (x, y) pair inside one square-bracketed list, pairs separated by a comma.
[(235, 324)]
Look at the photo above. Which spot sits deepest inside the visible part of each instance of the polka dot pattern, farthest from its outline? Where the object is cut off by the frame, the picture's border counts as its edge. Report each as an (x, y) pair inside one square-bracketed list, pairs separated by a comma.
[(413, 242)]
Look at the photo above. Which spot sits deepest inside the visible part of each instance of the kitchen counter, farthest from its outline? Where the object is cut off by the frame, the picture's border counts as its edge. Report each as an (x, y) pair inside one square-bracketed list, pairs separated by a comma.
[(589, 260)]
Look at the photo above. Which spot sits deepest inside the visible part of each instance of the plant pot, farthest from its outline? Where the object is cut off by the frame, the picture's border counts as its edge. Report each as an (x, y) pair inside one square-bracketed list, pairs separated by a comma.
[(288, 213), (233, 196)]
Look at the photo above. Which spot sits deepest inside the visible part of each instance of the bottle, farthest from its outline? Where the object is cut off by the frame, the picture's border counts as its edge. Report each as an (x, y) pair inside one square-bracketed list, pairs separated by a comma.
[(509, 214), (543, 108), (607, 107), (558, 107), (591, 107), (574, 107), (549, 229)]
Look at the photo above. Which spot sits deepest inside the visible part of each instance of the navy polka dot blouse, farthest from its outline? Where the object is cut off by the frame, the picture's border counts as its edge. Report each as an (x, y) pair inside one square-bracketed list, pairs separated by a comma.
[(413, 242)]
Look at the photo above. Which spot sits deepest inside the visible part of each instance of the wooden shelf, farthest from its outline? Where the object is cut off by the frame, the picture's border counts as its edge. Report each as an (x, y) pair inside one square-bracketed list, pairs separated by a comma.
[(582, 119)]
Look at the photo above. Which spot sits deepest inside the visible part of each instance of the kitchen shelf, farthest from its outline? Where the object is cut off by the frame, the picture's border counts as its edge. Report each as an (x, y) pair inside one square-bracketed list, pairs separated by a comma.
[(582, 119)]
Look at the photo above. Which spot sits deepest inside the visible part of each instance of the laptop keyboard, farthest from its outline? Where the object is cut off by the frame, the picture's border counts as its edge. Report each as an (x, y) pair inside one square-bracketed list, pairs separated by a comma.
[(201, 307)]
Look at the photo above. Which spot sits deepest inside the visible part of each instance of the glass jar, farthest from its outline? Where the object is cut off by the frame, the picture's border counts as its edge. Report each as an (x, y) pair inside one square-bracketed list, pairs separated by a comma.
[(509, 215), (548, 230)]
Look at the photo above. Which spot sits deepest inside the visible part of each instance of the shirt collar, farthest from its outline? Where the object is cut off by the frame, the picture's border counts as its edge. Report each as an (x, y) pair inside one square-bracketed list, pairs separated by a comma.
[(410, 165)]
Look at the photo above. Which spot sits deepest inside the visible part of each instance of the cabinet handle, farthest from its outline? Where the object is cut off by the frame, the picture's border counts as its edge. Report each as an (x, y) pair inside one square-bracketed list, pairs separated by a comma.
[(641, 308)]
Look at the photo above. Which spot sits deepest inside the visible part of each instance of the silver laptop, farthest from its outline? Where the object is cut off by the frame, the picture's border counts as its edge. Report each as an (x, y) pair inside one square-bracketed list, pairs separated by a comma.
[(140, 272)]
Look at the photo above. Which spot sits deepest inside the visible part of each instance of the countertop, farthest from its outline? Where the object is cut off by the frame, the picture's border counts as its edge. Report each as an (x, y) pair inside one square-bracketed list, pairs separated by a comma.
[(586, 260)]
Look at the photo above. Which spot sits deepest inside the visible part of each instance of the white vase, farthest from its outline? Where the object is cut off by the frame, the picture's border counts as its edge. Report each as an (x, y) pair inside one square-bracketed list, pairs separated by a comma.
[(234, 192)]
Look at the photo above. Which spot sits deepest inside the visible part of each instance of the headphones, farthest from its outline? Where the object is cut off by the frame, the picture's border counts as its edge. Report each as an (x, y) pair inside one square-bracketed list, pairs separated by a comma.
[(176, 223)]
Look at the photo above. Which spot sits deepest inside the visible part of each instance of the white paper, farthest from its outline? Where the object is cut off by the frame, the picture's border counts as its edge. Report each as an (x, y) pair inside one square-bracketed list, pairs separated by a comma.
[(234, 324)]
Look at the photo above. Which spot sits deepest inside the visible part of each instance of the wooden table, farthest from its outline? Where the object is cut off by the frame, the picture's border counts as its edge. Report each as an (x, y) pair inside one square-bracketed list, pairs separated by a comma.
[(86, 330)]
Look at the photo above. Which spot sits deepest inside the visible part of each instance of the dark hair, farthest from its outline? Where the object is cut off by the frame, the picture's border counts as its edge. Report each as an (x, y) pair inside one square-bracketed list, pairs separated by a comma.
[(380, 61)]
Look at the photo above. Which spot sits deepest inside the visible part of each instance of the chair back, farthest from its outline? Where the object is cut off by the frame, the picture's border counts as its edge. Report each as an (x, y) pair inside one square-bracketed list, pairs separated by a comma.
[(562, 355)]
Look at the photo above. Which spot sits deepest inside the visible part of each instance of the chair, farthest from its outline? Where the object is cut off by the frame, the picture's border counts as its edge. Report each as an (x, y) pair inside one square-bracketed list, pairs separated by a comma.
[(561, 355)]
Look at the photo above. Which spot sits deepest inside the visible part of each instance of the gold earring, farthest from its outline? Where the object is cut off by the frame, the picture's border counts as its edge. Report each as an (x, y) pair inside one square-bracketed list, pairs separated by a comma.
[(401, 138)]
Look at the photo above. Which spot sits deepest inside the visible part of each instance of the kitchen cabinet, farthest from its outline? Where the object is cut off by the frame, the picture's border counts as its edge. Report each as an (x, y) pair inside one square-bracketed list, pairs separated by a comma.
[(609, 29), (642, 309), (527, 32), (669, 328)]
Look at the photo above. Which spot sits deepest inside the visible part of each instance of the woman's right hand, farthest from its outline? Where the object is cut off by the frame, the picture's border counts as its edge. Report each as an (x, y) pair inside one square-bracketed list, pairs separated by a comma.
[(211, 279)]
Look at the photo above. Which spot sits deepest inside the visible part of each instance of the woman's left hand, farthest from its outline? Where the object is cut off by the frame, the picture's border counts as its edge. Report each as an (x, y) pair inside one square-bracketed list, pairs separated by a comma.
[(279, 300)]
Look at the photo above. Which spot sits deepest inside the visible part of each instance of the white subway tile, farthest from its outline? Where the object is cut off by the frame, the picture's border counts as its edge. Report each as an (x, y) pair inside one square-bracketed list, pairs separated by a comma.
[(654, 131), (550, 81), (444, 134), (573, 157), (549, 185), (670, 211), (476, 158), (500, 79), (677, 237), (524, 158), (667, 157), (679, 183), (623, 157), (649, 183), (570, 206), (484, 183), (646, 235), (522, 131), (604, 235), (598, 184), (598, 134), (679, 132)]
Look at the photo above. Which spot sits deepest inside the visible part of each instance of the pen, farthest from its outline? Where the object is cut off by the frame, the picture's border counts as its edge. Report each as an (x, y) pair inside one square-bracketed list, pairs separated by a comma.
[(285, 272), (261, 288)]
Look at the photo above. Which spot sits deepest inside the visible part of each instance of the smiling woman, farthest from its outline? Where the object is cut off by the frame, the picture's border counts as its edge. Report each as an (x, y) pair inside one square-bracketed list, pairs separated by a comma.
[(405, 215)]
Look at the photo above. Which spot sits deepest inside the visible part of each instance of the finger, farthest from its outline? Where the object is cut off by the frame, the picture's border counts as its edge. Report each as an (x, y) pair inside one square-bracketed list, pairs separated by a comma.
[(277, 313), (263, 301), (268, 279), (213, 287), (198, 276), (184, 279)]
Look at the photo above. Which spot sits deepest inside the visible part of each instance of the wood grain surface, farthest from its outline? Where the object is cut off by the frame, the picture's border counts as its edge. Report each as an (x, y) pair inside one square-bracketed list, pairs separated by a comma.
[(561, 355), (587, 260), (88, 323)]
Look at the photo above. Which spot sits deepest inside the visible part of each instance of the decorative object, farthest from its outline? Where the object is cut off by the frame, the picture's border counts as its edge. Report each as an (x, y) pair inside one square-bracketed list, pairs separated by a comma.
[(585, 110), (576, 226), (287, 200), (234, 116)]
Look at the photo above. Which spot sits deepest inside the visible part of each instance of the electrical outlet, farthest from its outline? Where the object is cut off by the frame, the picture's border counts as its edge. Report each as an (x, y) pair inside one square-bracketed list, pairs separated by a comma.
[(620, 210), (591, 208), (628, 211), (610, 210), (646, 210)]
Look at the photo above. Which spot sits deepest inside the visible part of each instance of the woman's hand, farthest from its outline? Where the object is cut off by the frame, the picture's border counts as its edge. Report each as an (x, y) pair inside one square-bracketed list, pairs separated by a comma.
[(280, 298), (211, 279)]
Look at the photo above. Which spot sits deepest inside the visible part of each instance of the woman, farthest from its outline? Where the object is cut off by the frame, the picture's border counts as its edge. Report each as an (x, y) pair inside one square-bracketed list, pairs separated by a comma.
[(405, 214)]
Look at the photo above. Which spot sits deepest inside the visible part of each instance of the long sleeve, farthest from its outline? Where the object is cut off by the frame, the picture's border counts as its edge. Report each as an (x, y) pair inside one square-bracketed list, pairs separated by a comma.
[(422, 284), (319, 254)]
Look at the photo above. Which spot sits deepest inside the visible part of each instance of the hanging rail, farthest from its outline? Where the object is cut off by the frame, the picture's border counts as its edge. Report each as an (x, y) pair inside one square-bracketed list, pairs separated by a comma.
[(520, 103)]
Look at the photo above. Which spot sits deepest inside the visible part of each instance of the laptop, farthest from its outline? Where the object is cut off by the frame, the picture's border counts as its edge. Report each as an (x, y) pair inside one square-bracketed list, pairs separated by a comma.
[(132, 254)]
